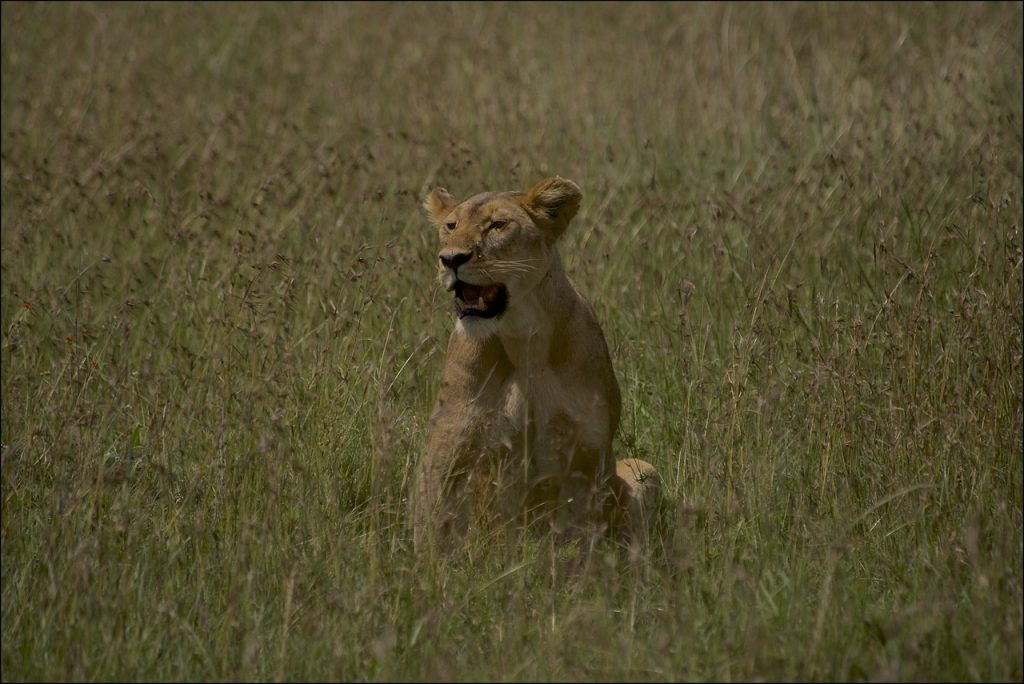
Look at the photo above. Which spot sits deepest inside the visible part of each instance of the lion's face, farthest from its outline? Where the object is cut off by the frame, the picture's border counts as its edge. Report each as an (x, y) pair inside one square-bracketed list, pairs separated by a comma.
[(489, 247), (497, 246)]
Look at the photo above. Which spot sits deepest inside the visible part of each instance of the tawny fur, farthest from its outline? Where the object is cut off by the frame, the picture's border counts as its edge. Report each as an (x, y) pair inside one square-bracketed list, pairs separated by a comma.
[(523, 423)]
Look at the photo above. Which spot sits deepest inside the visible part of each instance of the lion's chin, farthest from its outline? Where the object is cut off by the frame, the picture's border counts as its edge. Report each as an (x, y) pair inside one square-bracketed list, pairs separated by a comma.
[(476, 328)]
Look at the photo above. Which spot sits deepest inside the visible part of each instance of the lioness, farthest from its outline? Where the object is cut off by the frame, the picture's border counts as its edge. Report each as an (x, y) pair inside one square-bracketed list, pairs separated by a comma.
[(528, 403)]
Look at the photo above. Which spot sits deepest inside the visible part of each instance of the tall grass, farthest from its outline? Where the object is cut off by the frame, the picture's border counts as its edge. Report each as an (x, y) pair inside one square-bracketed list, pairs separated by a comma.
[(221, 336)]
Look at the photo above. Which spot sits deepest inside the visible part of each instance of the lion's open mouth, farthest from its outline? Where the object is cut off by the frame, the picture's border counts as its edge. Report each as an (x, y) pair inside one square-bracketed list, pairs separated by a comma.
[(485, 301)]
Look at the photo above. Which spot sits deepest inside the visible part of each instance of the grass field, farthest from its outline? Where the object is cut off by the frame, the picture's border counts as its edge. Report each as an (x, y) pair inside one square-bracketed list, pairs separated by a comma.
[(222, 335)]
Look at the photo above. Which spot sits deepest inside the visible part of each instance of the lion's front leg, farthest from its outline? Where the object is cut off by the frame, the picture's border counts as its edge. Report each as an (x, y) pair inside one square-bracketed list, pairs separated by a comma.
[(440, 507)]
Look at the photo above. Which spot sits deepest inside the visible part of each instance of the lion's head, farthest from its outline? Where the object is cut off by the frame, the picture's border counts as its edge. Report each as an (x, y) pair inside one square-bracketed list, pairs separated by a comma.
[(497, 246)]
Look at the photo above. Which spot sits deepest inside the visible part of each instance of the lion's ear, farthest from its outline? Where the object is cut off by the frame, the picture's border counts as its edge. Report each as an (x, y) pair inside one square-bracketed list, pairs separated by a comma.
[(438, 204), (553, 202)]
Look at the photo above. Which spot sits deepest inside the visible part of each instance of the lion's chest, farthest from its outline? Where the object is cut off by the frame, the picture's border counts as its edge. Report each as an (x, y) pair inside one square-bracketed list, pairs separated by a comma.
[(514, 408), (545, 419), (500, 421)]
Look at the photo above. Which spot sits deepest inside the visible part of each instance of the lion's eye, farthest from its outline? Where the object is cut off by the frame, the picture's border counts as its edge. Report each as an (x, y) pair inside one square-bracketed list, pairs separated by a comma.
[(497, 225), (450, 226)]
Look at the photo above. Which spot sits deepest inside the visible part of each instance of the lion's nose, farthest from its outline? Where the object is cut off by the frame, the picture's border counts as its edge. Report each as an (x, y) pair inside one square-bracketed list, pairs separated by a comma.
[(453, 260)]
